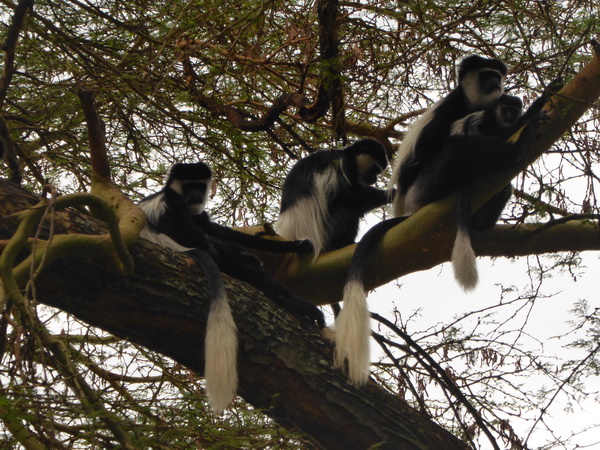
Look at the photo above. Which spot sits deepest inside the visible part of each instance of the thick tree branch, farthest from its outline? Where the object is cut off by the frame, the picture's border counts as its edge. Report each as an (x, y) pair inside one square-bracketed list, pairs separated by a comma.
[(532, 239), (285, 366), (128, 218), (420, 243)]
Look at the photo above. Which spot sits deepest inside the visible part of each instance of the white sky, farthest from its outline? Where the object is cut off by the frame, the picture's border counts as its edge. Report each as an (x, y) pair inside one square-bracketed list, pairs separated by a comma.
[(440, 300)]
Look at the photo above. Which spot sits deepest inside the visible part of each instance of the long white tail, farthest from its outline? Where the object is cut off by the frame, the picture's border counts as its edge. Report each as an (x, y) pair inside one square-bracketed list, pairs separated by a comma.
[(463, 256), (352, 326), (220, 349), (352, 332), (464, 262), (220, 342)]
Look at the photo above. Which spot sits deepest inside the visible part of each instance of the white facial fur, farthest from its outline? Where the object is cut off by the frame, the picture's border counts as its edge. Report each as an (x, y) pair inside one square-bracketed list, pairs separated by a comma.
[(177, 186)]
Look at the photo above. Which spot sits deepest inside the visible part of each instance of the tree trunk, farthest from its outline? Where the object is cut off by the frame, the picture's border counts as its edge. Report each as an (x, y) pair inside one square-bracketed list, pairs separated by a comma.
[(284, 364)]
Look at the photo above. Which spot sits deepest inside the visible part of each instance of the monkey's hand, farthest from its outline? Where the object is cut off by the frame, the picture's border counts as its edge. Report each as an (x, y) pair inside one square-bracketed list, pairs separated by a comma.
[(553, 87)]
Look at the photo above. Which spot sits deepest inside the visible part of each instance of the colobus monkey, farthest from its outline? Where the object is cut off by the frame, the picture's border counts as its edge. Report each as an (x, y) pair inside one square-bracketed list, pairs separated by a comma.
[(495, 124), (177, 219), (324, 197), (466, 155), (477, 146), (480, 85), (327, 193), (213, 229)]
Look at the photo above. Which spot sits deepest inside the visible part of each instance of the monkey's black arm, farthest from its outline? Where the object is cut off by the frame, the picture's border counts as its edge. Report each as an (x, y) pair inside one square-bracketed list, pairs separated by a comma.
[(434, 133), (370, 197), (463, 158), (252, 241), (552, 88), (236, 263), (187, 234), (466, 156), (248, 240)]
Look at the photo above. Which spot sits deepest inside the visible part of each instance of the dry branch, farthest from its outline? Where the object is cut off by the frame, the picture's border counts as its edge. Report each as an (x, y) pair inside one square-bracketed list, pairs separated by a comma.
[(96, 135), (330, 90)]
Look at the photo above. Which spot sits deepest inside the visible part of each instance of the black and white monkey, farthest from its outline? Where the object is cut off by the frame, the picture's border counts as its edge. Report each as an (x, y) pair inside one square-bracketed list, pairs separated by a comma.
[(480, 85), (324, 197), (476, 106), (474, 139), (176, 218), (487, 129), (326, 194), (356, 335), (476, 146)]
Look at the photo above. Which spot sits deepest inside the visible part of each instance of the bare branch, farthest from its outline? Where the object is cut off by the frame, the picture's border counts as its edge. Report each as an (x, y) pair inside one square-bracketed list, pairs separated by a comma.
[(10, 44), (331, 89), (96, 135)]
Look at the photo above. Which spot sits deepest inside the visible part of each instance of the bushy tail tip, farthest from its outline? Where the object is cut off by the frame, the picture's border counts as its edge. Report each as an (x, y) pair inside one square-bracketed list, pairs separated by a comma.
[(220, 349), (352, 332), (464, 262)]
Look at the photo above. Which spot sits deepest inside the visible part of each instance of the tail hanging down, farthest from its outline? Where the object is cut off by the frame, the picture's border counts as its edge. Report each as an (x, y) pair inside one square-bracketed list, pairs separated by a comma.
[(352, 332), (463, 256), (352, 325), (220, 343)]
